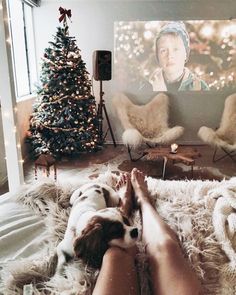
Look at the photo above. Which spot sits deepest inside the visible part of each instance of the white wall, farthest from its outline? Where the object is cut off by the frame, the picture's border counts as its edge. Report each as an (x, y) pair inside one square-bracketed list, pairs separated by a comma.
[(92, 25)]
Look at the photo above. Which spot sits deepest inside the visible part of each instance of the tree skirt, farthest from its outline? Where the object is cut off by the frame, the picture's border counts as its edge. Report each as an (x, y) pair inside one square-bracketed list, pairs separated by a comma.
[(194, 210)]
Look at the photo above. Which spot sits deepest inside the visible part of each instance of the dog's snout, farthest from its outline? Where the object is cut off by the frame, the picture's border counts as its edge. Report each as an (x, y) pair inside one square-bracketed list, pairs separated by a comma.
[(134, 233)]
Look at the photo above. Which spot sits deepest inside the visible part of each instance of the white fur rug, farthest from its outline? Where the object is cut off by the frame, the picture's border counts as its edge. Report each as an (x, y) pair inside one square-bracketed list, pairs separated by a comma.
[(202, 213)]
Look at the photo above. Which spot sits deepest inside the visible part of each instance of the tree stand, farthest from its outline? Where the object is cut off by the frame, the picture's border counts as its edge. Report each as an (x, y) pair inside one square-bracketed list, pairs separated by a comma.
[(101, 108)]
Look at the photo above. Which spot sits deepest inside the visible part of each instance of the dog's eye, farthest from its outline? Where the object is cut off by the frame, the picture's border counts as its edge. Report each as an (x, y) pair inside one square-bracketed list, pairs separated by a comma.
[(116, 230), (125, 220)]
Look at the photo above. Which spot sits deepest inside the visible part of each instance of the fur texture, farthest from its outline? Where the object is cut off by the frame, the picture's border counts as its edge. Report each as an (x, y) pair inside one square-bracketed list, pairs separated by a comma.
[(95, 223), (225, 135), (187, 206), (146, 123)]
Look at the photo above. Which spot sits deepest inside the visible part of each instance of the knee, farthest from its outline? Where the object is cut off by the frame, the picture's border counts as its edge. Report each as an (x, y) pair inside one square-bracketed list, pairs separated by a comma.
[(116, 254)]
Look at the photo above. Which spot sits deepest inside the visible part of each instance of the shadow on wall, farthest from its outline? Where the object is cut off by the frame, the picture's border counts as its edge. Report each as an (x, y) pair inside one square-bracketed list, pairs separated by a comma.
[(3, 168), (24, 111)]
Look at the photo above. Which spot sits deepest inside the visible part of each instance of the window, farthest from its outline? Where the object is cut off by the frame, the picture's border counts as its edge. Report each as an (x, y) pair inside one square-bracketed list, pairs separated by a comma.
[(22, 35)]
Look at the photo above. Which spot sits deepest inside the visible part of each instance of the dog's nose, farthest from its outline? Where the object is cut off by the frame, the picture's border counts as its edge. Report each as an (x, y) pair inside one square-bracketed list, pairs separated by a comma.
[(134, 233)]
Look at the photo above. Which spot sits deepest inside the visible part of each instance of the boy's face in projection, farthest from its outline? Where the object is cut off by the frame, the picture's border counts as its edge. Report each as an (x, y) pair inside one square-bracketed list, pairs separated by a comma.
[(171, 54)]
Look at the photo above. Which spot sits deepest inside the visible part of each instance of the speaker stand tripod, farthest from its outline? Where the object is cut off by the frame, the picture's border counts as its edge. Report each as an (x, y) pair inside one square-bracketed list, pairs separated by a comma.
[(101, 108)]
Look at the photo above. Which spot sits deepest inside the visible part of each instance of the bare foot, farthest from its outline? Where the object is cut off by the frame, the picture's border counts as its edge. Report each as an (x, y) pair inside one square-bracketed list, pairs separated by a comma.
[(122, 180), (140, 187), (125, 191)]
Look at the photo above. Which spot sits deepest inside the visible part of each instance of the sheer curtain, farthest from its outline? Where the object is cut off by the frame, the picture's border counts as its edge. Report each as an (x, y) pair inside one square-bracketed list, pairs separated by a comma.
[(33, 2)]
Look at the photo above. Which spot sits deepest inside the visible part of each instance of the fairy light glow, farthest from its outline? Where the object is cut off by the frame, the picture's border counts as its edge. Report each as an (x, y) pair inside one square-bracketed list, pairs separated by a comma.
[(148, 35), (207, 31), (228, 30), (6, 114), (14, 129), (8, 40)]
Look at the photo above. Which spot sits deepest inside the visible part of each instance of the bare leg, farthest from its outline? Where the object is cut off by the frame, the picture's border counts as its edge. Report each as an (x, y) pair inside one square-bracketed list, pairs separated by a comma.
[(169, 270), (125, 190), (118, 274)]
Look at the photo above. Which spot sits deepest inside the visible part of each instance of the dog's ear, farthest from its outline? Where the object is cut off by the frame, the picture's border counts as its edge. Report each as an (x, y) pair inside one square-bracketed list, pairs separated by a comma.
[(90, 246), (75, 196)]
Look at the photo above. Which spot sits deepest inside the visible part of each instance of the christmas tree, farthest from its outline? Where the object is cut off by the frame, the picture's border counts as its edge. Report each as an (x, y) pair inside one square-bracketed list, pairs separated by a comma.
[(64, 119)]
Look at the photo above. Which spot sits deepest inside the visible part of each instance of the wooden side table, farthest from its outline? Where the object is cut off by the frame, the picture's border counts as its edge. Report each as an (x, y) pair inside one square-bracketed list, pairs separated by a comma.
[(45, 161), (185, 155)]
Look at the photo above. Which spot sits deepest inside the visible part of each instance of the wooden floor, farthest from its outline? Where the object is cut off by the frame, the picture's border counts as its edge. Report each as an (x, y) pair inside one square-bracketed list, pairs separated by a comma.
[(118, 160)]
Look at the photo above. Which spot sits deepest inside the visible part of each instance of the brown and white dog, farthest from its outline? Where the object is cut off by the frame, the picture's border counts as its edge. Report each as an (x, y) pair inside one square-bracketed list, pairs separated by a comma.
[(94, 224)]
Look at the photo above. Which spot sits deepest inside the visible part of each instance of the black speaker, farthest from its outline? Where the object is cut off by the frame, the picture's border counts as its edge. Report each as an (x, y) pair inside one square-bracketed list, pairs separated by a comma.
[(102, 65)]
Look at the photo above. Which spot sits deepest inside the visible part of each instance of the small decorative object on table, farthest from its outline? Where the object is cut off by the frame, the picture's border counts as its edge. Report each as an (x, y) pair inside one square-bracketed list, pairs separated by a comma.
[(185, 155), (174, 148), (45, 161)]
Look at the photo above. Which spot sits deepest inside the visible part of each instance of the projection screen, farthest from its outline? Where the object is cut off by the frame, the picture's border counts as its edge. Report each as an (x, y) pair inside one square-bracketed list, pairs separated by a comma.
[(175, 56)]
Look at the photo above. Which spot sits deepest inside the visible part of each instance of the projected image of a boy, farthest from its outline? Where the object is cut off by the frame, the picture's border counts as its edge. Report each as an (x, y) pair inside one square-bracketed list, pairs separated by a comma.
[(172, 53)]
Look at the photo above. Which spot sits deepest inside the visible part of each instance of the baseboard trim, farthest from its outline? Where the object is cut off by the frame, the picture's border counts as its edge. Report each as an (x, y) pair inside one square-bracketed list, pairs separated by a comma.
[(110, 142)]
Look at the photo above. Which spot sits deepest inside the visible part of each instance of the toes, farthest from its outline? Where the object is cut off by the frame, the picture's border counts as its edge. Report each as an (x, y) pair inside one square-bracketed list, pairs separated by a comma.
[(133, 173), (127, 177), (137, 178), (119, 183), (136, 174), (124, 179)]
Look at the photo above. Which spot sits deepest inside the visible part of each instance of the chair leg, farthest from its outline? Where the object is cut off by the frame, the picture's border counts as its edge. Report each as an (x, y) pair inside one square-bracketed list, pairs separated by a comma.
[(164, 167), (230, 154), (227, 154), (148, 145), (214, 155), (129, 152), (130, 155)]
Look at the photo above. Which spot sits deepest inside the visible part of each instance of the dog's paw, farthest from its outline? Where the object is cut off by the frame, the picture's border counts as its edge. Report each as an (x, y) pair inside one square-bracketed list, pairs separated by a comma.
[(216, 193)]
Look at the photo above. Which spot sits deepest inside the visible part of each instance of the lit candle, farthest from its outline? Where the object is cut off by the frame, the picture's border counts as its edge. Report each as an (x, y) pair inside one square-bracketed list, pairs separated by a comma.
[(174, 148)]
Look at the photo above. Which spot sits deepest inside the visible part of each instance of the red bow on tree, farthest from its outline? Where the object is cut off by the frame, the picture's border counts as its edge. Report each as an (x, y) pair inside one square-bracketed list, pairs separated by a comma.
[(64, 12)]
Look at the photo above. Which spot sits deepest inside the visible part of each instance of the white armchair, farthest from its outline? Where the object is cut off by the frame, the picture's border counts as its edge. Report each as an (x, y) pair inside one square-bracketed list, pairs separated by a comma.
[(145, 123), (224, 137)]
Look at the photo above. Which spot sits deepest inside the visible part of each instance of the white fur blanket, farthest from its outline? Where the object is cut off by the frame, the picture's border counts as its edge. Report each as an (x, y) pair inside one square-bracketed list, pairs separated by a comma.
[(202, 213)]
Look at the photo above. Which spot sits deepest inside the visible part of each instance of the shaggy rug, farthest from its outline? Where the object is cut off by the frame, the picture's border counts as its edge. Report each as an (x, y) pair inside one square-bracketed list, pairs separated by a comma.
[(202, 213)]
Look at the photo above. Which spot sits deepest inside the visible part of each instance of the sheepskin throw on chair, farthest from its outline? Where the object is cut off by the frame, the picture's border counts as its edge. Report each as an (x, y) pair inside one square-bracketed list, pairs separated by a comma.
[(224, 137), (145, 123)]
